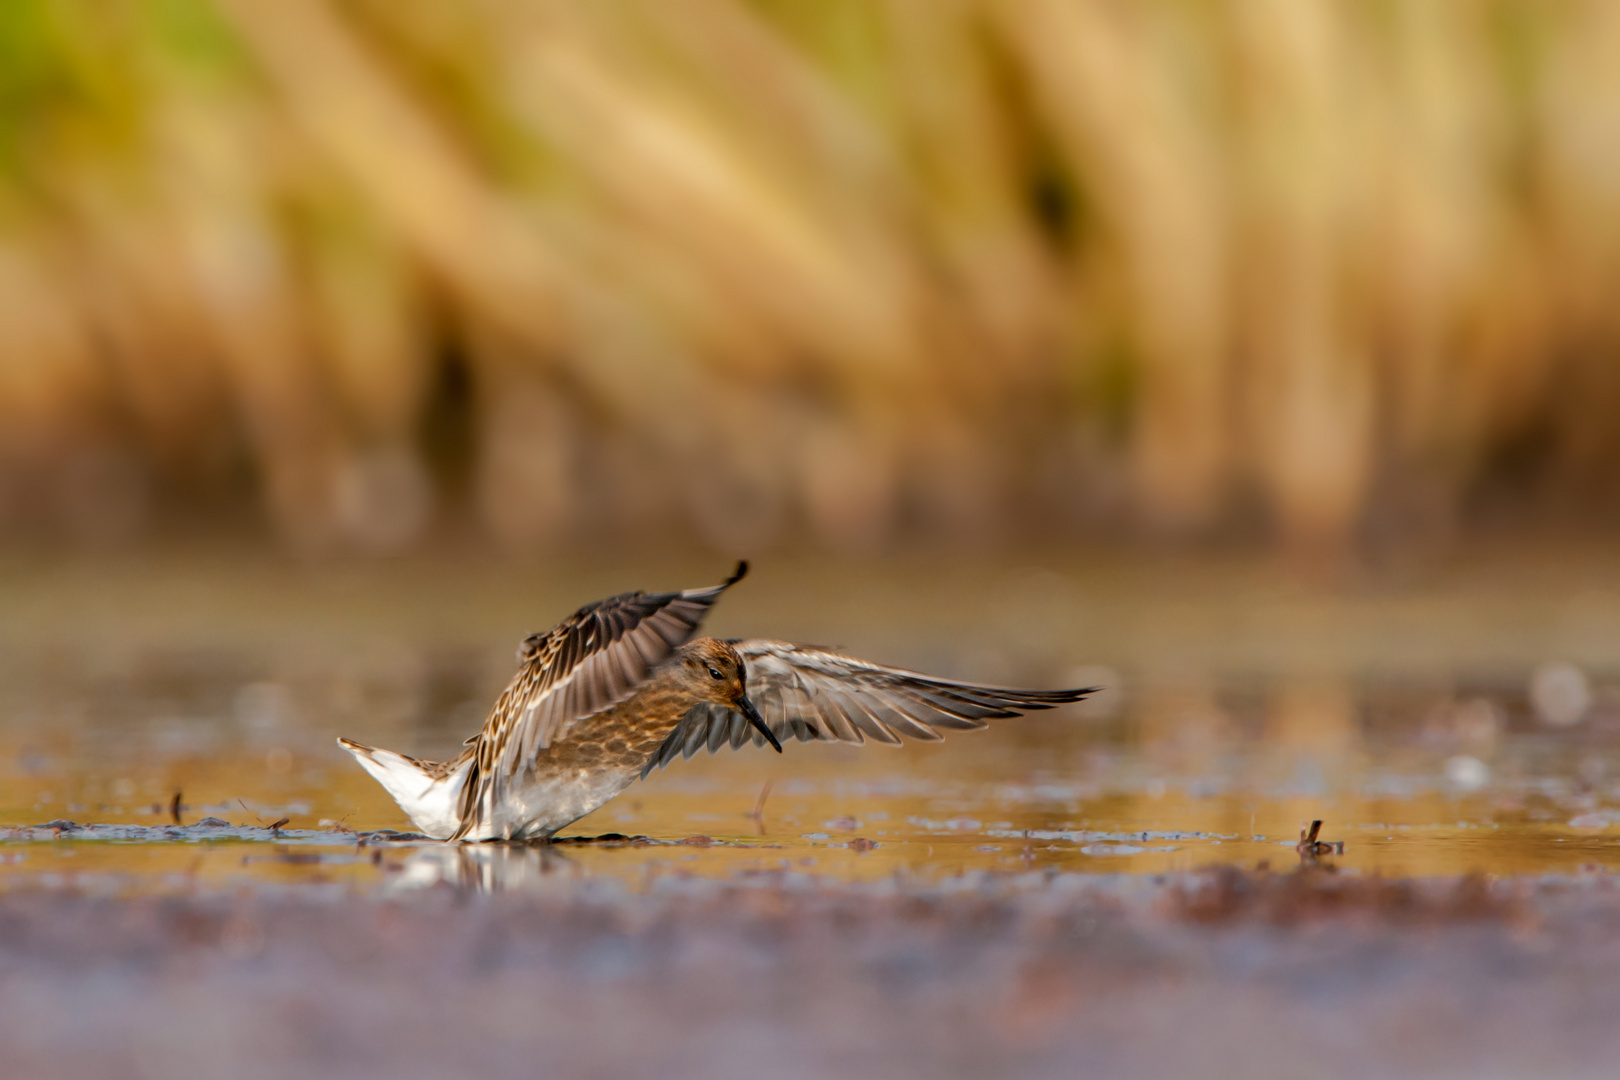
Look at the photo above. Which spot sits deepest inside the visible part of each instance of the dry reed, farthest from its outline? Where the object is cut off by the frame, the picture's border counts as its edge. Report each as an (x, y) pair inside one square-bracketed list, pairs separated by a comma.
[(856, 270)]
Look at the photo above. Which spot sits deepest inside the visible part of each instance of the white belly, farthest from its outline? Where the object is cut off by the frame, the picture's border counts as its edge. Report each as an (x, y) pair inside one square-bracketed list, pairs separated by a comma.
[(536, 807)]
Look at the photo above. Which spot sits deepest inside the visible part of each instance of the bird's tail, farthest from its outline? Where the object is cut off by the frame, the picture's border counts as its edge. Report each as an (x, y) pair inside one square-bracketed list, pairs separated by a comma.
[(426, 791)]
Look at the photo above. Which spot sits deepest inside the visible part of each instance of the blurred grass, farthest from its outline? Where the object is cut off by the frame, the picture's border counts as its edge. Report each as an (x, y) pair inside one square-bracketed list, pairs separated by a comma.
[(749, 271)]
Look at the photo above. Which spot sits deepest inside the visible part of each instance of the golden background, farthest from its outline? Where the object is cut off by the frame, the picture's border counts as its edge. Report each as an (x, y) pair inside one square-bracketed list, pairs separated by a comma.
[(808, 273)]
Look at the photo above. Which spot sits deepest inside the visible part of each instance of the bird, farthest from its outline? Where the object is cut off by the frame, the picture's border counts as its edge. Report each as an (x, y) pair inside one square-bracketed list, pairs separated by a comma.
[(622, 687)]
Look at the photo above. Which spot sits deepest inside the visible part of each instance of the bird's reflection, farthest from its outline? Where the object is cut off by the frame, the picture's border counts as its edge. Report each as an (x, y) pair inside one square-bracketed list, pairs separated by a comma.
[(482, 867)]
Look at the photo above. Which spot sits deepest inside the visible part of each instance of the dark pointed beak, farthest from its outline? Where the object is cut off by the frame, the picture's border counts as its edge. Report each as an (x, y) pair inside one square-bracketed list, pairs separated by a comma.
[(746, 707)]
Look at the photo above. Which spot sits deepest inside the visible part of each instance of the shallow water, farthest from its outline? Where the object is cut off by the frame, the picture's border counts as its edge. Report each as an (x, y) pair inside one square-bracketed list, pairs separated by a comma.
[(1241, 703)]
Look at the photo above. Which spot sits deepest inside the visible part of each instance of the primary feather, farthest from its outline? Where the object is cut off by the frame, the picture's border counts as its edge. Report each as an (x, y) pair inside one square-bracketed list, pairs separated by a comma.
[(812, 694)]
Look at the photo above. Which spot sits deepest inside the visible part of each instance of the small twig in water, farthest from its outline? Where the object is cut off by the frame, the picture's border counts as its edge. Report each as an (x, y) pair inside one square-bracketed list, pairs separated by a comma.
[(174, 808), (759, 808), (1310, 848), (275, 827)]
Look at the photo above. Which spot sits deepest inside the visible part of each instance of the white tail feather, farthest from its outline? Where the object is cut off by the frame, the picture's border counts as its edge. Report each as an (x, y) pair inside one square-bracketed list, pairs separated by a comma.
[(433, 803)]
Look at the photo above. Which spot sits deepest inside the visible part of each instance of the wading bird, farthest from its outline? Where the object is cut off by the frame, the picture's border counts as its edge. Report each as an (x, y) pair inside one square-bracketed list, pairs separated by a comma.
[(620, 688)]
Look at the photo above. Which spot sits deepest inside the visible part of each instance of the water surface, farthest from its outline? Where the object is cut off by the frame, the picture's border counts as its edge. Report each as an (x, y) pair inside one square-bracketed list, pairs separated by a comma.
[(1240, 703)]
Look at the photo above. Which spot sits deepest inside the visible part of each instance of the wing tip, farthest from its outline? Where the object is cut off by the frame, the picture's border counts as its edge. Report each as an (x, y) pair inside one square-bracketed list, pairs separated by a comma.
[(736, 575), (1050, 699)]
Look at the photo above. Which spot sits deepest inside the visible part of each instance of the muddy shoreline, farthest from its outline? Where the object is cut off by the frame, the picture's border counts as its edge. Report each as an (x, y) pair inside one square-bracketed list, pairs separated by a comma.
[(1223, 973)]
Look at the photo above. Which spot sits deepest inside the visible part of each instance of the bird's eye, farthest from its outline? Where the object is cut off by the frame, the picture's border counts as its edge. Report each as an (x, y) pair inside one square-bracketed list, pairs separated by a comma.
[(716, 673)]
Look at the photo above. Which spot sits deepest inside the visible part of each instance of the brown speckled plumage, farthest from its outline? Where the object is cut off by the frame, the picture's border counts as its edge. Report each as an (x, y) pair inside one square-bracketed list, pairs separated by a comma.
[(617, 689)]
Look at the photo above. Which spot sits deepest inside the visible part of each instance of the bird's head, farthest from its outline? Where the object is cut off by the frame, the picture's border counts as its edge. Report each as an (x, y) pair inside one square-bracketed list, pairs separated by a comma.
[(717, 674)]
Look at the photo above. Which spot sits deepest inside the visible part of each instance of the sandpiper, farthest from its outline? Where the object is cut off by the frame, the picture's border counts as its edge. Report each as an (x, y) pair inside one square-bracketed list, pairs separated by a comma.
[(620, 688)]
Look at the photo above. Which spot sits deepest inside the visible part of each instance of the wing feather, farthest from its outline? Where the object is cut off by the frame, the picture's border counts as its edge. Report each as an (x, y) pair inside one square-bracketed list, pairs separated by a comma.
[(741, 729), (876, 721), (591, 661), (719, 733), (834, 713), (814, 694), (694, 740)]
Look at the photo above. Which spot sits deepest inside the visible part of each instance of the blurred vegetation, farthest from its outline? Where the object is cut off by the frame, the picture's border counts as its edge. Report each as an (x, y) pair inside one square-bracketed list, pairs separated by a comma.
[(852, 270)]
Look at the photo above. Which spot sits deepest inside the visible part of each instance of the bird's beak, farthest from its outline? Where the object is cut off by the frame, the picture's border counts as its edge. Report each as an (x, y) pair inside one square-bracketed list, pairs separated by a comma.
[(746, 707)]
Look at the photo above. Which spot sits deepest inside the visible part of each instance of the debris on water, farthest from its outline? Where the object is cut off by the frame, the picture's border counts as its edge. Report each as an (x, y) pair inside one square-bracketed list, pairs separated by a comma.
[(861, 845), (275, 826), (61, 825), (174, 808), (212, 823), (1310, 848), (697, 841)]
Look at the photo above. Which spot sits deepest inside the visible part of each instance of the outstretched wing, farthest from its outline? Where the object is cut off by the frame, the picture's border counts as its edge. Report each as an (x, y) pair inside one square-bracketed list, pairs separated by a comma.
[(816, 694), (592, 660)]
